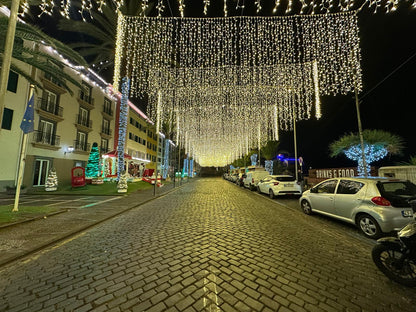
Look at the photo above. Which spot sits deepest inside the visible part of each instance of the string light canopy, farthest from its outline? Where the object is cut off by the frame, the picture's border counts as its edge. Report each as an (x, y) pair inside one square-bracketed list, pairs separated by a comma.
[(284, 7), (232, 83)]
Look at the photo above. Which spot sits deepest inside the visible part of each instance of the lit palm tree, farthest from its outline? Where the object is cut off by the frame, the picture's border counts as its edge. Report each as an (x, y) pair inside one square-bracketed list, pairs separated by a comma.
[(377, 145), (45, 62)]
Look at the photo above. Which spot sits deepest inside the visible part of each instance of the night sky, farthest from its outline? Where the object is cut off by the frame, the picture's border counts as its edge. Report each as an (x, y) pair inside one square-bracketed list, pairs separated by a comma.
[(388, 98)]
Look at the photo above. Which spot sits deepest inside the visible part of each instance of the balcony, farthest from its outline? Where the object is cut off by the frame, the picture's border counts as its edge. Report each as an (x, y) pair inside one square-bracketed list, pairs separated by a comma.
[(49, 110), (51, 84), (85, 100), (81, 147), (83, 124), (106, 133), (46, 140), (107, 113)]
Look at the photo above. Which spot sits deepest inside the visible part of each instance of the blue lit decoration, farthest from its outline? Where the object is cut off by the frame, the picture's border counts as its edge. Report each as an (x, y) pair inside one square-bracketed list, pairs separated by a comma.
[(191, 168), (122, 125), (372, 153), (232, 167), (185, 167), (253, 159), (165, 166), (268, 165)]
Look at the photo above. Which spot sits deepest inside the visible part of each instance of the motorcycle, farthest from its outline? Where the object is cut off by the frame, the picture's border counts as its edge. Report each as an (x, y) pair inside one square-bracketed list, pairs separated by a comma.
[(396, 256)]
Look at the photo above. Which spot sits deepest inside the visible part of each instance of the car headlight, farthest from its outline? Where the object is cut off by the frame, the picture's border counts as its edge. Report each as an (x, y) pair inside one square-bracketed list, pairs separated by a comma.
[(407, 213)]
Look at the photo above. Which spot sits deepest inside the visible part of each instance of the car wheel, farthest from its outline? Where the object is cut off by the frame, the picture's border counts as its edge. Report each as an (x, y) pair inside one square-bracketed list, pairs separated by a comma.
[(271, 194), (306, 207), (369, 226)]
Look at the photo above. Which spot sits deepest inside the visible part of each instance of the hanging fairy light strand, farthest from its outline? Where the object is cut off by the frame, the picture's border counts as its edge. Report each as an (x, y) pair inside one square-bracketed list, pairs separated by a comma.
[(331, 40)]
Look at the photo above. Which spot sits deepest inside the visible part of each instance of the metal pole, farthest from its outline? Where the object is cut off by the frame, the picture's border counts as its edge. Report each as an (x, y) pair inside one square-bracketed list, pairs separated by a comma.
[(8, 52), (360, 131), (22, 162), (294, 141)]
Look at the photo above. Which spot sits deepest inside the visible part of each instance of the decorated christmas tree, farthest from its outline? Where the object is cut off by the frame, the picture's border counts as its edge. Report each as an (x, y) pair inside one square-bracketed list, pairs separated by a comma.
[(52, 181), (93, 168), (122, 183)]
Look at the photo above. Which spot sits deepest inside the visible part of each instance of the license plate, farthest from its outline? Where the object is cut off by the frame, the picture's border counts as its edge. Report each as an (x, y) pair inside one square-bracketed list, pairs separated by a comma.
[(288, 184)]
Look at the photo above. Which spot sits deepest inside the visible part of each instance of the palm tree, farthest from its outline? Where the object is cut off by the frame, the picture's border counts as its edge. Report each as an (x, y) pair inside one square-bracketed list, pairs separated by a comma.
[(268, 152), (377, 145), (102, 30), (43, 61)]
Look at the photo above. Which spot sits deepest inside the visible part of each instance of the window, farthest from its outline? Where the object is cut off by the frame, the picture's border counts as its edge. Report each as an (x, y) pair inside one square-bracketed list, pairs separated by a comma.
[(144, 142), (349, 187), (50, 101), (107, 107), (46, 132), (130, 136), (81, 141), (41, 172), (131, 121), (7, 119), (104, 145), (12, 83), (136, 138), (106, 126), (327, 187), (83, 117)]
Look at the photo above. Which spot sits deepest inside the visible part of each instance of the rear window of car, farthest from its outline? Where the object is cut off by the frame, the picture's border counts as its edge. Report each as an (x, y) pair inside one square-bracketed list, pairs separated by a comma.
[(284, 179), (397, 192)]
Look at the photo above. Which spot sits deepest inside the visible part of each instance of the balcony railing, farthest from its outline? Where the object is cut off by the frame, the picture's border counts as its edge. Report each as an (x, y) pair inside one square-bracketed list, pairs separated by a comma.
[(106, 131), (80, 120), (53, 108), (82, 146), (108, 111), (46, 138), (86, 98), (52, 79)]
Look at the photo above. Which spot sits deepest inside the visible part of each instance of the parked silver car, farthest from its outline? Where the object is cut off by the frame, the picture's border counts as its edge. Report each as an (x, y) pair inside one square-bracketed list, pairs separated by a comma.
[(277, 185), (375, 205)]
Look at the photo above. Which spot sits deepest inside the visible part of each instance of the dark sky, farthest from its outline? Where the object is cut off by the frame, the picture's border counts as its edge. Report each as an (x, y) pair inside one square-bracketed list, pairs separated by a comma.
[(388, 98)]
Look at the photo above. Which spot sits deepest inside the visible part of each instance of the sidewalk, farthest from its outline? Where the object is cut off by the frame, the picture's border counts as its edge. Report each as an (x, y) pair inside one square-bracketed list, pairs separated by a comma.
[(21, 239)]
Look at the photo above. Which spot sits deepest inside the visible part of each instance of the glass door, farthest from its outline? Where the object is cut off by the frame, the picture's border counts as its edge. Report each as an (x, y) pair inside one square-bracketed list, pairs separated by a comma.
[(46, 132), (41, 172)]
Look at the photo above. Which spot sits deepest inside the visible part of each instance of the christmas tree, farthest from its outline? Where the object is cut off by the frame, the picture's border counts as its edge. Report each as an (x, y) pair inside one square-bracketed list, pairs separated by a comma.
[(122, 183), (93, 168), (52, 181)]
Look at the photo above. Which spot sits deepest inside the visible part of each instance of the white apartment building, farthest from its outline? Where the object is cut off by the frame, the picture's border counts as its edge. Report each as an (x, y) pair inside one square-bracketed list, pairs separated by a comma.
[(66, 126)]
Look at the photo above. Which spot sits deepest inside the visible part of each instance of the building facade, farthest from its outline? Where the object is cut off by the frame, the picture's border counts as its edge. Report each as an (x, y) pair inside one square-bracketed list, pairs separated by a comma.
[(66, 125)]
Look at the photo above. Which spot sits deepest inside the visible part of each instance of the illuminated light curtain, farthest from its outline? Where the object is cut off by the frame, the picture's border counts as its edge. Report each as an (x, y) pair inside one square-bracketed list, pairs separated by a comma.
[(331, 40)]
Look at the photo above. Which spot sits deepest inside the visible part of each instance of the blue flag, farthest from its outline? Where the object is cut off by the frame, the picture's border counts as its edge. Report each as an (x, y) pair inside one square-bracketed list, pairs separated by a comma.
[(27, 124)]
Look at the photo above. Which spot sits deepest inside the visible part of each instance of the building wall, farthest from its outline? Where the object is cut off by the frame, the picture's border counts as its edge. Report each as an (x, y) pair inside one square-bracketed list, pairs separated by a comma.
[(41, 150)]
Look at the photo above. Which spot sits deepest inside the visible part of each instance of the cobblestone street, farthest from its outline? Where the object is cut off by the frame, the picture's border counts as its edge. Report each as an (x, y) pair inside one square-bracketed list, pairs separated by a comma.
[(208, 246)]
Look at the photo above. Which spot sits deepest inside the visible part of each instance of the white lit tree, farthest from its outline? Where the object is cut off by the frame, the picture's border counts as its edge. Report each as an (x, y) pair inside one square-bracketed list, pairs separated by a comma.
[(122, 183), (52, 181)]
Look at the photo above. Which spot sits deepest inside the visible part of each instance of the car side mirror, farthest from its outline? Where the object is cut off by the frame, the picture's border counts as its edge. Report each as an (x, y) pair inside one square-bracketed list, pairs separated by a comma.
[(313, 190)]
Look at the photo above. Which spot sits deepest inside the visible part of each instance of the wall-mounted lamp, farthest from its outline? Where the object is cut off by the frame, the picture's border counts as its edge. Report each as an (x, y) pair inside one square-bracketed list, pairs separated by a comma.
[(69, 149)]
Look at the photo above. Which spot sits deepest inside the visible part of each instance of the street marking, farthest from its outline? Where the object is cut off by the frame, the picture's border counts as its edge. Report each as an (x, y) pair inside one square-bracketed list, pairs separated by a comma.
[(67, 201), (100, 202), (211, 296)]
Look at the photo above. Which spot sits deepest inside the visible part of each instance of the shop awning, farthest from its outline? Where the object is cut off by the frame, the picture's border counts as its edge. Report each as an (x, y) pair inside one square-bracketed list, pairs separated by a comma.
[(114, 153)]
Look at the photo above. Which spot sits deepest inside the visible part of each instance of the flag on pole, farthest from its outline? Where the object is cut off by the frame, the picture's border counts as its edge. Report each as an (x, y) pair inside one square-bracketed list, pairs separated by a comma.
[(27, 124)]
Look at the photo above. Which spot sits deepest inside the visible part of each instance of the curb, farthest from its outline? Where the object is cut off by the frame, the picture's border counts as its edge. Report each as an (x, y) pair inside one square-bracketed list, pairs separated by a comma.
[(33, 219)]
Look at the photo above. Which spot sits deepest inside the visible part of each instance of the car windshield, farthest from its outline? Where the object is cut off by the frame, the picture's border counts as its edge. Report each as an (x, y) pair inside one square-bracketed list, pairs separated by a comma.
[(397, 192)]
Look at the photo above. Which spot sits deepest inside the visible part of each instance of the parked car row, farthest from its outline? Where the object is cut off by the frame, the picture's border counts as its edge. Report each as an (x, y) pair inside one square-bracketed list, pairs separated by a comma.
[(263, 182), (376, 205)]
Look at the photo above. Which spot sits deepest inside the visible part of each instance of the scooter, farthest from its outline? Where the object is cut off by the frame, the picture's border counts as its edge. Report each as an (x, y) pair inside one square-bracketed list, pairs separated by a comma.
[(396, 256)]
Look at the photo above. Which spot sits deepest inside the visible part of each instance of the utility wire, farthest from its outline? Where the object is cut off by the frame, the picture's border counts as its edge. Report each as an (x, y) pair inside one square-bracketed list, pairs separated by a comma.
[(385, 78)]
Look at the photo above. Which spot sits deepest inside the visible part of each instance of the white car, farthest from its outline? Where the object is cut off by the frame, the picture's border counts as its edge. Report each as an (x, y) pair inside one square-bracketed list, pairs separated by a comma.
[(374, 205), (278, 185), (253, 177)]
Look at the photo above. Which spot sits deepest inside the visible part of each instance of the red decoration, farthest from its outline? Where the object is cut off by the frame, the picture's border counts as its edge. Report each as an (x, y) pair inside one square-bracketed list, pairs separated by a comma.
[(78, 177)]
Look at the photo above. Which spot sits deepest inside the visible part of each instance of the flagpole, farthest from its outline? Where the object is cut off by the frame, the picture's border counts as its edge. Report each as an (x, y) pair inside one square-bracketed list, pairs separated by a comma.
[(22, 158)]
